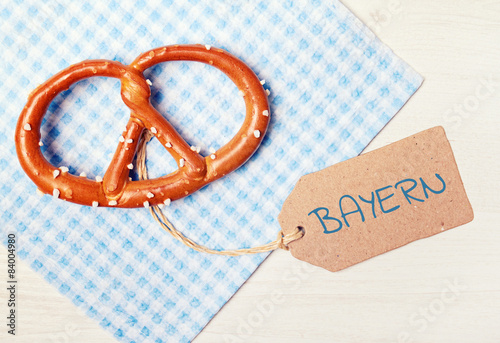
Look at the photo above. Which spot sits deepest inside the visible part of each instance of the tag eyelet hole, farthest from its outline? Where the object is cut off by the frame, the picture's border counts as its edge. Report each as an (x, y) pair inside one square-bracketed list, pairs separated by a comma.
[(302, 230)]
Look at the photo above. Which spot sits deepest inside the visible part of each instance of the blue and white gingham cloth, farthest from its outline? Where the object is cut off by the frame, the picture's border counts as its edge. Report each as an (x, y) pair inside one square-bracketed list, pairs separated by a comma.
[(333, 86)]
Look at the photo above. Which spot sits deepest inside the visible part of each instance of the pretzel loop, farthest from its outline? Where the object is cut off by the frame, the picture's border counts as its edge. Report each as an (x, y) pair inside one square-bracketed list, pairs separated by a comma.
[(194, 172)]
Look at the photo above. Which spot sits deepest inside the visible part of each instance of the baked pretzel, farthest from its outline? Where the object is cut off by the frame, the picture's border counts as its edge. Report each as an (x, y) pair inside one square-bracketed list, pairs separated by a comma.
[(115, 189)]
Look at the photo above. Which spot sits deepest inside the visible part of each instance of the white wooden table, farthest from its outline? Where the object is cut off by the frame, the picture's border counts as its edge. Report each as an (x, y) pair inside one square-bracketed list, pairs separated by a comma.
[(442, 289)]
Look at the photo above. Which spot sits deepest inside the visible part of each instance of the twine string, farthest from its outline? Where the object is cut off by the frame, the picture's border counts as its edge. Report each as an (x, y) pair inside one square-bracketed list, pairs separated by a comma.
[(281, 242)]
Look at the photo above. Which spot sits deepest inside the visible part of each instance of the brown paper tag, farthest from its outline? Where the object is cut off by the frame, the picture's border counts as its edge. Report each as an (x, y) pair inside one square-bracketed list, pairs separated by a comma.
[(377, 202)]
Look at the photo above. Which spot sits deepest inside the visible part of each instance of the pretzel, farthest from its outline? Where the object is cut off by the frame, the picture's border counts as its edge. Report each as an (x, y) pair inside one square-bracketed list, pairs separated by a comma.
[(115, 189)]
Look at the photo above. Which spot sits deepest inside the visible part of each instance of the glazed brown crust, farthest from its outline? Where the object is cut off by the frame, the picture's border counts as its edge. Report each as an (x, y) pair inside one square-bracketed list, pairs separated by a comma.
[(115, 190)]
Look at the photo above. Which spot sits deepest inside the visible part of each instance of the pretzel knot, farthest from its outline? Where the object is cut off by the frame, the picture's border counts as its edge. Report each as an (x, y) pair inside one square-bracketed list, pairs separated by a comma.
[(194, 171)]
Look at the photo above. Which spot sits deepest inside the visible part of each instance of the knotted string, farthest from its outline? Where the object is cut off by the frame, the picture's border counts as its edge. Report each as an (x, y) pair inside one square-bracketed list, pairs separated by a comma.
[(281, 241)]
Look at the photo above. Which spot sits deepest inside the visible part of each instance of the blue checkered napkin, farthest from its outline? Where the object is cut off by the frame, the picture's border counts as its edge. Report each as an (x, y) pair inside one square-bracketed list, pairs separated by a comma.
[(333, 86)]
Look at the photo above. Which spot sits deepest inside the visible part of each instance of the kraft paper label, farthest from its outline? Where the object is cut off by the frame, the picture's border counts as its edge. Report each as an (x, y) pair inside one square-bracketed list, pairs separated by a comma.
[(377, 202)]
